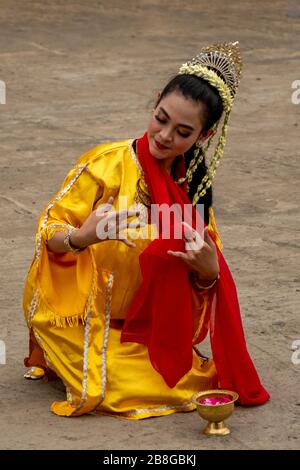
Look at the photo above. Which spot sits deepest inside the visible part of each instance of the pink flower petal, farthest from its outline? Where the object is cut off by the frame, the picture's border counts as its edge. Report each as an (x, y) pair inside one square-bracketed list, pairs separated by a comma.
[(219, 400)]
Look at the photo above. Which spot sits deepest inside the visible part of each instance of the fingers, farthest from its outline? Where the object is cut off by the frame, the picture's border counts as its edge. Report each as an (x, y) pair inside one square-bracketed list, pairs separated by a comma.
[(194, 241), (188, 231), (124, 225), (119, 215), (103, 209), (133, 213), (177, 254), (192, 246), (128, 242), (136, 225), (110, 200), (122, 215), (115, 220)]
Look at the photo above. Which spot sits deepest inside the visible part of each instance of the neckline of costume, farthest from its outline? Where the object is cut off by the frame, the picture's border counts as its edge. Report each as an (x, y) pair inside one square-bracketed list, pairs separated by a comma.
[(132, 146), (134, 156)]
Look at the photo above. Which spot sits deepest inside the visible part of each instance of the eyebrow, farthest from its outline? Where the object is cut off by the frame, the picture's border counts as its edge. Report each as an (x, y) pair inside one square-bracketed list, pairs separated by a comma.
[(181, 125)]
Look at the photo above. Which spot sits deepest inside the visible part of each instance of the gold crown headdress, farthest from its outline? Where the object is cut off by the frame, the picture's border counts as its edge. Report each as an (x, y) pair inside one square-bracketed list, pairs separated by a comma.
[(220, 65)]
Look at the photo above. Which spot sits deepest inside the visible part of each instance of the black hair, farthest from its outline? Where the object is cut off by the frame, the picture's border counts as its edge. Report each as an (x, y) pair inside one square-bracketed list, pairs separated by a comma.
[(199, 90)]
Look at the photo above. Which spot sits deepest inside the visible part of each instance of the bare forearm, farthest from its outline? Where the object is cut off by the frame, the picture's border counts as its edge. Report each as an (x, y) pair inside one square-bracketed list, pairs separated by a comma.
[(102, 224), (56, 243)]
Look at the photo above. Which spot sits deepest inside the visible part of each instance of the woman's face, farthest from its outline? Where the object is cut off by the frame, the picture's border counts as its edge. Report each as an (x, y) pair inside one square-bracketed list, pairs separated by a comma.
[(174, 127)]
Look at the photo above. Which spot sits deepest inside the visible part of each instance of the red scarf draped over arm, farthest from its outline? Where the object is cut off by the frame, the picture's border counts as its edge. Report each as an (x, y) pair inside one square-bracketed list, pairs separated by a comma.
[(160, 315)]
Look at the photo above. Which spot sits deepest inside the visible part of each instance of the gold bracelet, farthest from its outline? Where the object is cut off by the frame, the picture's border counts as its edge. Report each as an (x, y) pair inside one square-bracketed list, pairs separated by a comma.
[(67, 242), (198, 286)]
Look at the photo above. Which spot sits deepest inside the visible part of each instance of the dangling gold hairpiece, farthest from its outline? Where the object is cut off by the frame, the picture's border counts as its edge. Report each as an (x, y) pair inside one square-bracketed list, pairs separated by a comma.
[(220, 65)]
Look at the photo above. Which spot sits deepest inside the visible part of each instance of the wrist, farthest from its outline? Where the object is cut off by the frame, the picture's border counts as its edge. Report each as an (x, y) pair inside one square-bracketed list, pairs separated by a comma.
[(77, 241), (200, 283), (206, 279)]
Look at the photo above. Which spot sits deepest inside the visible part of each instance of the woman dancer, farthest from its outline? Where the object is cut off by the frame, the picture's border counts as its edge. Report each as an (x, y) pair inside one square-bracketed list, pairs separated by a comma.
[(114, 306)]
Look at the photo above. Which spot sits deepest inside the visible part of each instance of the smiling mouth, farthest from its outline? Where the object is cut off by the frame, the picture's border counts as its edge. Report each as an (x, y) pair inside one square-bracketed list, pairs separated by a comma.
[(160, 146)]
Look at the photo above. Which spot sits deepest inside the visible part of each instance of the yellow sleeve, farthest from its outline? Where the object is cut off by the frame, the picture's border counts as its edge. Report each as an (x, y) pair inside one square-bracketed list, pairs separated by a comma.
[(72, 204), (64, 285)]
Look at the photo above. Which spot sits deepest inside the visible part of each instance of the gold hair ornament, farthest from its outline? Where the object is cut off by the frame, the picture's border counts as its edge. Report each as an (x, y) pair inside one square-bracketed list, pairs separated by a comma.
[(220, 65)]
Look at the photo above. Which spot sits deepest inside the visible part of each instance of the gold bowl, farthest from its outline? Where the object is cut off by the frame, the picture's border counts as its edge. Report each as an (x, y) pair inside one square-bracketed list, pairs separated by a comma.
[(215, 414)]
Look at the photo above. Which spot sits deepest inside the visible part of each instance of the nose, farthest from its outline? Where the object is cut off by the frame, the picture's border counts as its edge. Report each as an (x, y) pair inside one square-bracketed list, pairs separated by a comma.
[(166, 134)]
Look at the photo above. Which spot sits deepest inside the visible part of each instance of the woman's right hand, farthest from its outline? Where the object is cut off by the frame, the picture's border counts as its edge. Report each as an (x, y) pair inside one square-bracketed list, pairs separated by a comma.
[(103, 224)]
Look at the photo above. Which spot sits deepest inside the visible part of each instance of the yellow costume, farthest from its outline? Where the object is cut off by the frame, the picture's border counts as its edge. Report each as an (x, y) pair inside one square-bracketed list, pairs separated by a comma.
[(74, 304)]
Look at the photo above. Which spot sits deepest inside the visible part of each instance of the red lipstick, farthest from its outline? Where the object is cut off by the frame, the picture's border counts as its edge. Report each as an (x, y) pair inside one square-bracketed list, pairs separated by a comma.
[(160, 146)]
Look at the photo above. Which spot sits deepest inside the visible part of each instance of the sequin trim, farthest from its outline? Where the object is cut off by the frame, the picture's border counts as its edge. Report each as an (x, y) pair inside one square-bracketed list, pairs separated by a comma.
[(134, 157), (157, 410), (106, 332), (104, 347), (63, 226), (136, 161), (81, 168), (85, 361), (138, 205), (50, 365), (39, 340), (33, 307)]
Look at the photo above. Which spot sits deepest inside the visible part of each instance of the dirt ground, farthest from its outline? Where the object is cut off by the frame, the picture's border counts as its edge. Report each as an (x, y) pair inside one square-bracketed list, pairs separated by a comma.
[(79, 73)]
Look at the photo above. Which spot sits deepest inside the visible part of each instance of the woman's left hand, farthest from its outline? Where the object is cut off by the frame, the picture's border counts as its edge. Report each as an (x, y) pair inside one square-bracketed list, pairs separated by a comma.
[(201, 254)]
